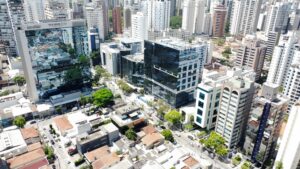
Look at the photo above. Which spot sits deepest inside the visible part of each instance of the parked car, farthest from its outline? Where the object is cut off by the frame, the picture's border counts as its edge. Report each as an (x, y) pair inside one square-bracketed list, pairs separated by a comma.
[(191, 137), (52, 142), (33, 122), (72, 151)]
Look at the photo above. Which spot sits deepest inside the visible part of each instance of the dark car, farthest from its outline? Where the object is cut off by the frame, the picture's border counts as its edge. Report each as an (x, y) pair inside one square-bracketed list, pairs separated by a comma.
[(72, 151), (52, 142), (33, 122)]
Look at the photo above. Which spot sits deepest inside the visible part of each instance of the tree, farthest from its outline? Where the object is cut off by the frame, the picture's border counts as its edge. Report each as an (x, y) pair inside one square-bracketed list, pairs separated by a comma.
[(173, 117), (83, 60), (246, 165), (130, 134), (279, 165), (168, 135), (215, 142), (19, 80), (188, 127), (124, 87), (73, 77), (175, 22), (19, 121), (49, 152), (95, 56), (102, 97)]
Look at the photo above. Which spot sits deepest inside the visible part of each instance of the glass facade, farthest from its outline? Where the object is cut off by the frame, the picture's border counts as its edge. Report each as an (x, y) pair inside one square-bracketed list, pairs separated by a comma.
[(168, 70), (132, 69), (55, 59)]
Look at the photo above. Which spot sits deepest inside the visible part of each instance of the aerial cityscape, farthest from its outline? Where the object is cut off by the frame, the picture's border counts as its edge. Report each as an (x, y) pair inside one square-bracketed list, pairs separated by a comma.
[(149, 84)]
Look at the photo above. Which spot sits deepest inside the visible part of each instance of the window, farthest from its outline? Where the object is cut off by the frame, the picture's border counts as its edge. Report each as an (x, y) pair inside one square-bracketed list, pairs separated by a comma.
[(199, 120), (199, 112), (195, 65), (190, 67), (215, 112), (194, 77), (214, 119), (216, 104), (200, 104), (184, 68), (189, 79), (183, 81), (202, 96), (218, 95)]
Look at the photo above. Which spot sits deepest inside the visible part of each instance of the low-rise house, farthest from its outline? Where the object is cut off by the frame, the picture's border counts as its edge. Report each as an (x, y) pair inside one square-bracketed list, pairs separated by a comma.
[(63, 125), (112, 131), (153, 139), (87, 142), (30, 135), (11, 143), (127, 116), (30, 160), (34, 146), (101, 158)]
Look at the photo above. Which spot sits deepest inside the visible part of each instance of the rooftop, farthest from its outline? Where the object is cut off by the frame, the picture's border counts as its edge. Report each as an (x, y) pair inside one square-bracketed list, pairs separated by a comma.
[(34, 146), (88, 137), (152, 138), (11, 139), (97, 153), (27, 158), (63, 123), (178, 44), (190, 161), (149, 129), (139, 57), (29, 133)]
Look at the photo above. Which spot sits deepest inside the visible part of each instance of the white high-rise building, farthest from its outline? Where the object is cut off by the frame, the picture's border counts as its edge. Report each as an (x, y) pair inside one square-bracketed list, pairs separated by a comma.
[(209, 94), (289, 149), (278, 17), (291, 83), (158, 14), (235, 105), (96, 19), (244, 16), (139, 26), (193, 17), (282, 59), (34, 10)]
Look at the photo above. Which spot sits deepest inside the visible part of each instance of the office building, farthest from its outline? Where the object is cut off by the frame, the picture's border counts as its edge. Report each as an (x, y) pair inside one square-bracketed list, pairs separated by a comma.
[(50, 52), (218, 22), (34, 10), (193, 16), (97, 16), (251, 54), (172, 69), (117, 20), (132, 69), (235, 105), (139, 26), (209, 93), (278, 17), (111, 53), (288, 153), (244, 16), (282, 58), (264, 124)]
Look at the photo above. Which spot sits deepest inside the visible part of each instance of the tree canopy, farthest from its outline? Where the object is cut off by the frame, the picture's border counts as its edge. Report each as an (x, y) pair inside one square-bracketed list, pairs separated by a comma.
[(173, 117), (215, 142), (19, 80), (168, 135), (19, 121), (124, 87), (175, 22), (102, 97), (130, 134)]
